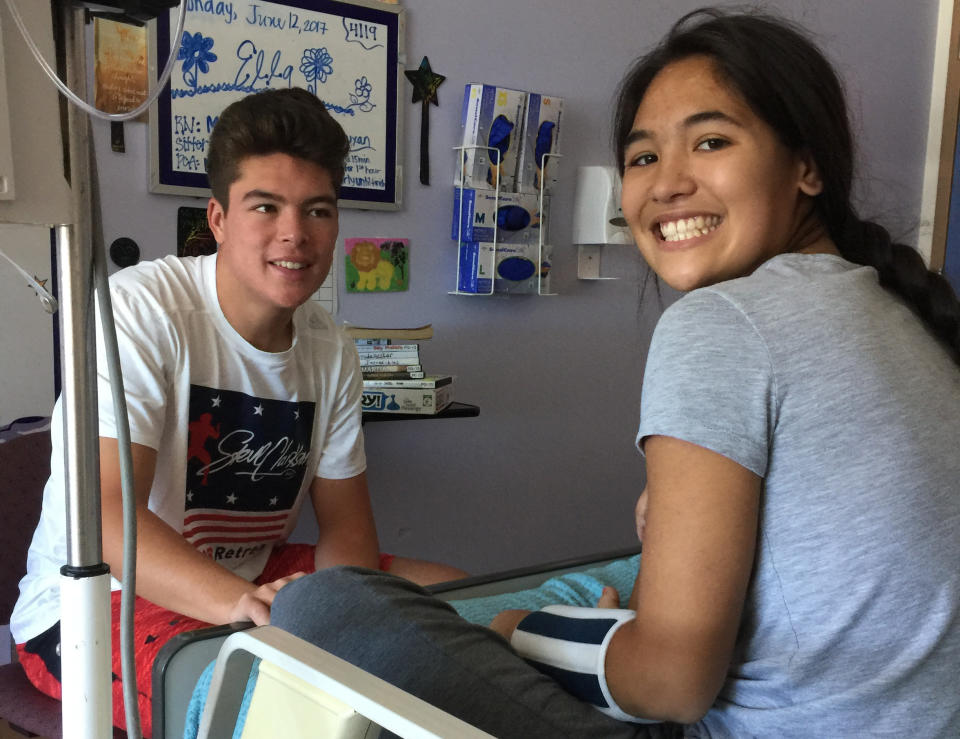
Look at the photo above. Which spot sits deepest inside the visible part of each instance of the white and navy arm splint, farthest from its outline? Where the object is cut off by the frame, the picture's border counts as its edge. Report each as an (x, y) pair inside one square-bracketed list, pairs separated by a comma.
[(569, 643)]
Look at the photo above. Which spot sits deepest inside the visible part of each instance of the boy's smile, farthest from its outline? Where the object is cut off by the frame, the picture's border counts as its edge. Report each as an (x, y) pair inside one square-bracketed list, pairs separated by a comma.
[(276, 244)]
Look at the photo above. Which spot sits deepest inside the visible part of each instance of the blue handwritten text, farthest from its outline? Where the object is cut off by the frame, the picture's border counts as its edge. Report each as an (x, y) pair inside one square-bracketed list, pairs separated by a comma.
[(189, 144), (314, 26), (213, 7), (252, 68), (189, 163), (258, 18), (362, 33), (185, 124), (358, 143)]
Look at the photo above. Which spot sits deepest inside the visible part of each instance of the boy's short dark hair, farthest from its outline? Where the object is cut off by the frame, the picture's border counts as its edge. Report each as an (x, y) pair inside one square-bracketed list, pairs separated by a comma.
[(289, 121)]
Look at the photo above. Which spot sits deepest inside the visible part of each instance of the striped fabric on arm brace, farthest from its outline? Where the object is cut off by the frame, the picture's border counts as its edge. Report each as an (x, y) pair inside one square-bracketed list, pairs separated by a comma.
[(569, 643)]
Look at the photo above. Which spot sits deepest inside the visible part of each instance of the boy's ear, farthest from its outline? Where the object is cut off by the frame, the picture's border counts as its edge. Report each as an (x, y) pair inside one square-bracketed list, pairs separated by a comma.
[(215, 218), (810, 182)]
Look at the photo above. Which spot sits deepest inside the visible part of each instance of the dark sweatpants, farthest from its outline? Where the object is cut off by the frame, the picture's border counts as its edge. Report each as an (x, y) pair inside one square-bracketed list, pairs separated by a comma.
[(397, 631)]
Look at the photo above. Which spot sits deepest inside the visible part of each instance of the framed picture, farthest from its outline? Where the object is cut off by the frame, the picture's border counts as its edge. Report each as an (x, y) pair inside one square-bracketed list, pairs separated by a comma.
[(376, 265), (194, 237), (346, 53)]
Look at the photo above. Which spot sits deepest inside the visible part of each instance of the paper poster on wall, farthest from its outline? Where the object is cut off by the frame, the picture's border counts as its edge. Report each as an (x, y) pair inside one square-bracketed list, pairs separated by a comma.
[(349, 54), (194, 237), (120, 71), (377, 265)]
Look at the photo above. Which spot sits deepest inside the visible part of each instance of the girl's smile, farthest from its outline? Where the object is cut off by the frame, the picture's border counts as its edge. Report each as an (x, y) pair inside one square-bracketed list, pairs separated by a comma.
[(686, 228), (709, 191)]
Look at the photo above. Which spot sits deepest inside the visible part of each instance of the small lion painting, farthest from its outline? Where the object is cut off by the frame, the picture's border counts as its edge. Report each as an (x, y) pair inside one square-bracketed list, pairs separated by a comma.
[(376, 265)]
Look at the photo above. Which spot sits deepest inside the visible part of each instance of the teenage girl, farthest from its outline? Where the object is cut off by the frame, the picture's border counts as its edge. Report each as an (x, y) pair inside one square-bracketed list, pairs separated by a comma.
[(800, 421)]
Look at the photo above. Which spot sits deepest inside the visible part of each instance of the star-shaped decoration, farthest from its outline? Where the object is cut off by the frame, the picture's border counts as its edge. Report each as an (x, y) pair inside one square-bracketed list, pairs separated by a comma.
[(215, 401), (190, 495), (296, 415), (258, 411), (231, 498), (273, 500), (425, 83)]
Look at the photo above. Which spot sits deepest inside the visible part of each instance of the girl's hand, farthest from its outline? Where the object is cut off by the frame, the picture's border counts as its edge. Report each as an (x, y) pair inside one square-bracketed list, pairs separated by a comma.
[(641, 513), (609, 598), (505, 622)]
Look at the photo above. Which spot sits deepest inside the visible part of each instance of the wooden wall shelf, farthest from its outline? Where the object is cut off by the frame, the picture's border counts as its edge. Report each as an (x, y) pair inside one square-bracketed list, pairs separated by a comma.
[(454, 410)]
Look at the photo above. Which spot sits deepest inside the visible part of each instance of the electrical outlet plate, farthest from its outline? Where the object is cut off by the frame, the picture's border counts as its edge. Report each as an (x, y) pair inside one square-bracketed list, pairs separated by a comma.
[(589, 257)]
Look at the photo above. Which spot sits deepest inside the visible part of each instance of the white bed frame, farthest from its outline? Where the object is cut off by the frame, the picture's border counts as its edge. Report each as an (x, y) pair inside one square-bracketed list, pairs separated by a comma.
[(381, 704)]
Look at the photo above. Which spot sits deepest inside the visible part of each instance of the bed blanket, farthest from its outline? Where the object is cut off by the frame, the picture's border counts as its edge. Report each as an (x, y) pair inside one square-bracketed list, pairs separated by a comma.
[(576, 588)]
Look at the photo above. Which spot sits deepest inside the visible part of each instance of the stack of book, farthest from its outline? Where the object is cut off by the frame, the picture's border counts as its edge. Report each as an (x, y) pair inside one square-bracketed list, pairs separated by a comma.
[(393, 377), (380, 360)]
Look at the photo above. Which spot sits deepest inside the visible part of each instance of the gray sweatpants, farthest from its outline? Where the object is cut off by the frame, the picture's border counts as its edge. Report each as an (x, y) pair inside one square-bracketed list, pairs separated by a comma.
[(399, 632)]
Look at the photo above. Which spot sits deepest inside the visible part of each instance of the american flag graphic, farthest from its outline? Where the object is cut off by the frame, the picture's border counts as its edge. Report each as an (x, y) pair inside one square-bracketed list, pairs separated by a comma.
[(246, 461)]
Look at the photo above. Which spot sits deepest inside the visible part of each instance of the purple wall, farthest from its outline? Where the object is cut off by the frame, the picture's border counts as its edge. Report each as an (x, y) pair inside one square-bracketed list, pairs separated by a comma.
[(549, 469)]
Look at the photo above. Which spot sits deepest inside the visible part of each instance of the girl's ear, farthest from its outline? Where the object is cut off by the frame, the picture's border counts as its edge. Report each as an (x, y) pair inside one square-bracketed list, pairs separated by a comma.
[(810, 182)]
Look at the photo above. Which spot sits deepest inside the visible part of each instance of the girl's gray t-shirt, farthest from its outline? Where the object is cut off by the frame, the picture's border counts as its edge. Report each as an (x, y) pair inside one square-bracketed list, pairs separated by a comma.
[(823, 383)]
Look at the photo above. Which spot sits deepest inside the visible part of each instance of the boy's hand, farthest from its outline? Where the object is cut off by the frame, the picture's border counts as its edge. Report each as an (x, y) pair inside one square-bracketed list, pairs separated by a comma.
[(254, 605)]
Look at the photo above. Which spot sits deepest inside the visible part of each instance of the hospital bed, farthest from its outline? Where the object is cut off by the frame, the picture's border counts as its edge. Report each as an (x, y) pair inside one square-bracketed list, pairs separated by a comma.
[(297, 679), (25, 466)]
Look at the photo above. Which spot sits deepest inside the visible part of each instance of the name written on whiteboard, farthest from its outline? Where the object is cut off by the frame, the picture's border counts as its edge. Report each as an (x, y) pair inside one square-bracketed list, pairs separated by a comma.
[(254, 73), (358, 143)]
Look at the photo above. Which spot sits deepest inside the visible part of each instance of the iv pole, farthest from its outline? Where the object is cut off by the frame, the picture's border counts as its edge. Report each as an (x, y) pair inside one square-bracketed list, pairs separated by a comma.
[(85, 643), (85, 579)]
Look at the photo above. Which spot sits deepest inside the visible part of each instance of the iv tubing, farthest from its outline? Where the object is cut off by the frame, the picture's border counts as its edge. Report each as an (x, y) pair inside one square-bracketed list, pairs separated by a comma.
[(129, 575)]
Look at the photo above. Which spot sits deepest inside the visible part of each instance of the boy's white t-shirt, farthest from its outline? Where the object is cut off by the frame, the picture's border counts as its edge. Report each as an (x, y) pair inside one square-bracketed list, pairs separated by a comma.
[(239, 433)]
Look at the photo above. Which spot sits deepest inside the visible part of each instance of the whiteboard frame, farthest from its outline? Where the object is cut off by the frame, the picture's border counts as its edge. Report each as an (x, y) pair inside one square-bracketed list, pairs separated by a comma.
[(163, 182)]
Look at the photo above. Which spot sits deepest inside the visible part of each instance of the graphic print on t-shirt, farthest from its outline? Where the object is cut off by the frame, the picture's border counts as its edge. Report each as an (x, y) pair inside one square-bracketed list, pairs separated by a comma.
[(246, 458)]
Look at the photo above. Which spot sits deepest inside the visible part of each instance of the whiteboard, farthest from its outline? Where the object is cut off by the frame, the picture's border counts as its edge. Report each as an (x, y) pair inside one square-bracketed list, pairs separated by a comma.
[(350, 54)]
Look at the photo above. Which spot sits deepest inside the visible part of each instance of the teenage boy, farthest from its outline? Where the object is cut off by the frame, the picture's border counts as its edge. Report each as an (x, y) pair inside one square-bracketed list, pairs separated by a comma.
[(243, 399)]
